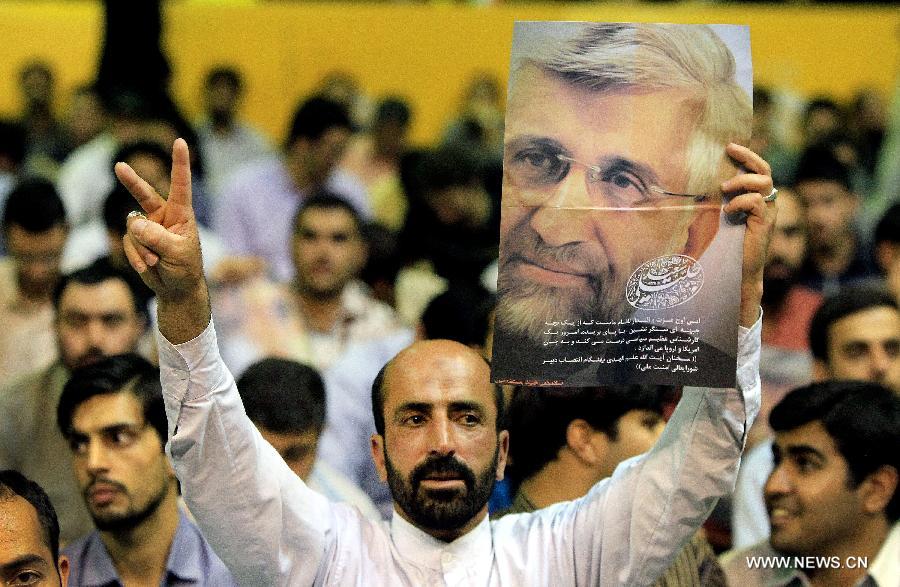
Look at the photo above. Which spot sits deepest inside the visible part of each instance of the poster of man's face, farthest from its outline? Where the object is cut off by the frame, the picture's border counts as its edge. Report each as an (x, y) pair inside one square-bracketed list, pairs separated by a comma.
[(614, 152)]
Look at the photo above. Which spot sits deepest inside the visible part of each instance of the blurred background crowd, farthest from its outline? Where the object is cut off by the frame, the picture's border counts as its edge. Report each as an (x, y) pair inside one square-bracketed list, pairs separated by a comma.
[(342, 221)]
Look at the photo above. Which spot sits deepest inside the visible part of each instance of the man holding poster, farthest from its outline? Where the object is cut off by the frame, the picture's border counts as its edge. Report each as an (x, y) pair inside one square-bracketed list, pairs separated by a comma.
[(440, 445), (615, 154)]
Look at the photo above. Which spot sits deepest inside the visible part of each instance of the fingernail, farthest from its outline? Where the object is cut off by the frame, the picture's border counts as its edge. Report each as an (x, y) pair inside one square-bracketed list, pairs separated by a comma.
[(139, 225)]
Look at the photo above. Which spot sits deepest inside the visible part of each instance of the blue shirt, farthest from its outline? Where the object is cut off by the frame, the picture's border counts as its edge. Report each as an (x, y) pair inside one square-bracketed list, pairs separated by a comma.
[(191, 561)]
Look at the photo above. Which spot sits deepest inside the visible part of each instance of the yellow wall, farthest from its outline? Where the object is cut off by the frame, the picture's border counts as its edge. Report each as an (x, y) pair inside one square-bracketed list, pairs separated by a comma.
[(427, 52)]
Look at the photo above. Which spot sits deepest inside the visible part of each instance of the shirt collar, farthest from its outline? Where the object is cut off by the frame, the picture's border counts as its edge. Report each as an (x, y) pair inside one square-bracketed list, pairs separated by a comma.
[(886, 566), (184, 559), (183, 562), (883, 570), (98, 566), (422, 549)]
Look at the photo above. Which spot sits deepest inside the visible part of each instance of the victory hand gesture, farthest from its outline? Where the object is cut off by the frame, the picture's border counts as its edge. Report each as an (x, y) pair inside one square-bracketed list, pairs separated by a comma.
[(164, 248)]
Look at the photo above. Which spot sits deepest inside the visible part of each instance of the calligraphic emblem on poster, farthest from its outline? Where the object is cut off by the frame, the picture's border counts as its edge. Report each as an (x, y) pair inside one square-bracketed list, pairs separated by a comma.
[(617, 264)]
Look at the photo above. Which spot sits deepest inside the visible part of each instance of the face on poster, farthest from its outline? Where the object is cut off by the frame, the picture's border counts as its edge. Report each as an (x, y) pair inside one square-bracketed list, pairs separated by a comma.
[(614, 150)]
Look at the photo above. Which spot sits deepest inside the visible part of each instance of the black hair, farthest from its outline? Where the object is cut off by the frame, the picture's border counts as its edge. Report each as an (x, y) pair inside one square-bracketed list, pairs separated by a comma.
[(13, 483), (226, 74), (820, 103), (383, 261), (888, 228), (315, 117), (462, 313), (12, 141), (116, 207), (539, 418), (447, 167), (148, 148), (862, 418), (762, 97), (326, 200), (128, 373), (283, 396), (35, 206), (819, 163), (95, 274), (849, 300), (392, 109), (378, 401)]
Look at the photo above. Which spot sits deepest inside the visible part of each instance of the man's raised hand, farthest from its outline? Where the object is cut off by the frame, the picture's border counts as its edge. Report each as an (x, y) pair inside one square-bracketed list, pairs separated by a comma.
[(164, 248), (751, 188)]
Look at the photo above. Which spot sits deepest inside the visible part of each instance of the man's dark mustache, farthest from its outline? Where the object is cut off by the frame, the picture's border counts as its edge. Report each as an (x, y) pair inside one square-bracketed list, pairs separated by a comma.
[(442, 465), (527, 244), (103, 481)]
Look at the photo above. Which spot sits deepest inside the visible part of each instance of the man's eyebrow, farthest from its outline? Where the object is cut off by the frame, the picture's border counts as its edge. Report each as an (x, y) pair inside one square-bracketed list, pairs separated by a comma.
[(642, 170), (413, 407), (25, 559), (466, 406), (639, 168), (522, 141), (804, 450), (108, 429)]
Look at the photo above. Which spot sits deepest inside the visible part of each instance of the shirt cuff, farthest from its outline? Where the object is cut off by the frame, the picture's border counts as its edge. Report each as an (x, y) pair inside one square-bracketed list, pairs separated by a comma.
[(192, 369)]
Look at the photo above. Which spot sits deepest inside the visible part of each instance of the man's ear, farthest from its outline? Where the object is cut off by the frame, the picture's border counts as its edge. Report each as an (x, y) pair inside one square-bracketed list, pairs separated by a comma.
[(878, 488), (502, 453), (584, 442), (377, 445), (62, 566), (701, 232)]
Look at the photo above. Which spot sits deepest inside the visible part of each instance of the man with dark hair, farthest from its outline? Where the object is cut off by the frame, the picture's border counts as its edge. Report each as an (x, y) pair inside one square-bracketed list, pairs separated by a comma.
[(565, 440), (29, 534), (833, 498), (324, 311), (96, 315), (113, 417), (47, 141), (788, 306), (837, 253), (856, 335), (35, 231), (286, 402), (257, 204), (453, 218), (442, 448), (225, 141), (103, 241)]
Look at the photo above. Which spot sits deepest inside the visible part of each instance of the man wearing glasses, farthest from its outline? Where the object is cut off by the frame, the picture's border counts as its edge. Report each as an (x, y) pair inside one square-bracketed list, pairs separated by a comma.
[(616, 150)]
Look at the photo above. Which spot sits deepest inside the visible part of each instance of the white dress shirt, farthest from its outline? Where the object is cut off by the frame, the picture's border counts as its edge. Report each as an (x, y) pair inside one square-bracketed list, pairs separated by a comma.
[(271, 529)]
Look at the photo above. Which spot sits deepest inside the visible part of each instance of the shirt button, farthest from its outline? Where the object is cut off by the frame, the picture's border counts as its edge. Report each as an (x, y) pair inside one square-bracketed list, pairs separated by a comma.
[(446, 558)]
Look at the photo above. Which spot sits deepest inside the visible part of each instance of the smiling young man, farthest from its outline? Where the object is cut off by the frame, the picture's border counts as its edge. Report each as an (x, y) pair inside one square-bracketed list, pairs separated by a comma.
[(833, 497), (113, 417)]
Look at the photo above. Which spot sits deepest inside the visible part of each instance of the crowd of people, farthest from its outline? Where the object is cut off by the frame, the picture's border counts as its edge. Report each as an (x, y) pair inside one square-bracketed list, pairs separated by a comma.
[(336, 268)]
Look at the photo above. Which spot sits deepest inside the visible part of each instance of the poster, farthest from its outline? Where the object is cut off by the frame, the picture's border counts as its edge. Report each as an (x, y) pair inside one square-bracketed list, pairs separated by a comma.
[(616, 263)]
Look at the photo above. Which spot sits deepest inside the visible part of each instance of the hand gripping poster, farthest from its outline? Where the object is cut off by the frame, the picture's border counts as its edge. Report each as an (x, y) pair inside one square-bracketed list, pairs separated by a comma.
[(617, 264)]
